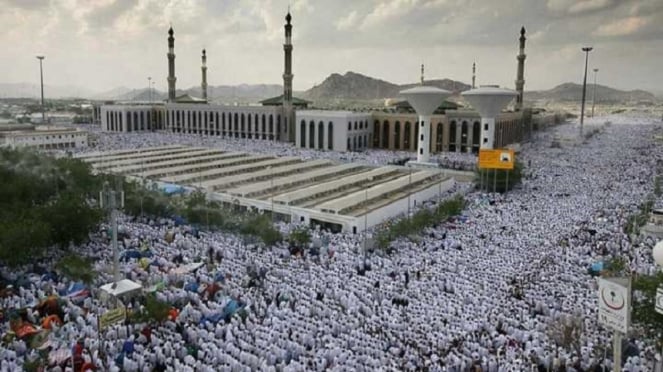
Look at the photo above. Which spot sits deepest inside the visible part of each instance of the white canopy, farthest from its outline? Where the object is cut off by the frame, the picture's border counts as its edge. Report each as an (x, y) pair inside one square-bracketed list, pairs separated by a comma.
[(185, 269), (123, 287)]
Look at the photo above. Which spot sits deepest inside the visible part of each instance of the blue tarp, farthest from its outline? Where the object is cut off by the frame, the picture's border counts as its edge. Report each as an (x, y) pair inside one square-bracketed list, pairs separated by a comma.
[(214, 318), (73, 288), (179, 220), (219, 277), (49, 276), (597, 266), (131, 253), (171, 189), (191, 287), (230, 308)]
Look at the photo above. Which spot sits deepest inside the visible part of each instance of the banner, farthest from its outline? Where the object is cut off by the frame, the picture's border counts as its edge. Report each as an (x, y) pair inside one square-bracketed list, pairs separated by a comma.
[(112, 317), (496, 159)]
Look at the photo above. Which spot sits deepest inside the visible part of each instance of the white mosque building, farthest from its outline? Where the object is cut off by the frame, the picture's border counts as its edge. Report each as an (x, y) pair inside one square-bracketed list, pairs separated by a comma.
[(287, 119)]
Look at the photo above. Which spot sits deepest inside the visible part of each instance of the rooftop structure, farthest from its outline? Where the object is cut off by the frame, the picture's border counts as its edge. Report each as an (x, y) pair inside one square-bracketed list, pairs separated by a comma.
[(341, 197), (42, 137)]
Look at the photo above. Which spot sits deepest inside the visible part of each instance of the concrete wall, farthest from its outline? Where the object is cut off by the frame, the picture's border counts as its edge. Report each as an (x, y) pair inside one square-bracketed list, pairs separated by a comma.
[(400, 206)]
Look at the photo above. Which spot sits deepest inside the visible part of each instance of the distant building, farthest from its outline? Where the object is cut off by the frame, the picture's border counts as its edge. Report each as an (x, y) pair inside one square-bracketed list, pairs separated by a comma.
[(654, 226), (333, 130), (286, 118), (42, 137)]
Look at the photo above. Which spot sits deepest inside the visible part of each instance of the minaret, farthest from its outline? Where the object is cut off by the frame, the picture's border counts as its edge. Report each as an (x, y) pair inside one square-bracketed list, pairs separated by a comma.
[(474, 74), (520, 79), (422, 74), (171, 66), (203, 85), (287, 80)]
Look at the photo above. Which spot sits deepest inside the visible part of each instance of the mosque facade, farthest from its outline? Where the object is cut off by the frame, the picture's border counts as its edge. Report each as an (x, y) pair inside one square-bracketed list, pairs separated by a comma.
[(286, 119)]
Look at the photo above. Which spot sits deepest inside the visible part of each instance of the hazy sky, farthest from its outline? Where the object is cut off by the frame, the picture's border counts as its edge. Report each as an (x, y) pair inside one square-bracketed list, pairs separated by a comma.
[(103, 44)]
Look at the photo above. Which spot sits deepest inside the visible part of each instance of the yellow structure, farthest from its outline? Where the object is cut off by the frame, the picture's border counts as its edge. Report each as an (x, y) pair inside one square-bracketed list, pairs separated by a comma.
[(496, 159)]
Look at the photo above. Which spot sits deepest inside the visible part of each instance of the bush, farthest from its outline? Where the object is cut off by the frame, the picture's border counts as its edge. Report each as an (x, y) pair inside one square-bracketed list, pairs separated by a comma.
[(413, 226), (499, 180)]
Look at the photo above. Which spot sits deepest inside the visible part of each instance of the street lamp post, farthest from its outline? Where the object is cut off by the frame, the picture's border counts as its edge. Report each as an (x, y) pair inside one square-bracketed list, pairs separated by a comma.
[(149, 88), (657, 252), (409, 191), (596, 70), (370, 179), (584, 88), (41, 77)]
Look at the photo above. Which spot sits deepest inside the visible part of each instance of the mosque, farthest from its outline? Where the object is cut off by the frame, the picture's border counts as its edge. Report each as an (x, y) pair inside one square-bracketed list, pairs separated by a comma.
[(341, 197), (286, 118)]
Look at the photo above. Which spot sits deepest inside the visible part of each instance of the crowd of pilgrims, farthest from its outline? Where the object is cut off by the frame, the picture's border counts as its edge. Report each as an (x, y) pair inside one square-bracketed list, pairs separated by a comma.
[(114, 141), (482, 292)]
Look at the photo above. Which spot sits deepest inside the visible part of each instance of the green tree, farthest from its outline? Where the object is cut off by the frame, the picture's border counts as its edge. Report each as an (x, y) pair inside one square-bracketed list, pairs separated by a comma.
[(71, 219), (77, 268), (498, 180), (300, 237), (22, 239), (644, 304)]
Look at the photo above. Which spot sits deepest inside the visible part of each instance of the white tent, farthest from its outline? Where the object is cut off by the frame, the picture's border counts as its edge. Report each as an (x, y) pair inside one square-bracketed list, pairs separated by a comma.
[(122, 288), (188, 268)]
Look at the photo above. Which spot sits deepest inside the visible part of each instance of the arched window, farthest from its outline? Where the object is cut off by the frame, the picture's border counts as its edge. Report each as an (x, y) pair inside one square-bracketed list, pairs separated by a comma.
[(476, 137), (142, 120), (264, 126), (271, 127), (439, 140), (278, 128), (376, 134), (242, 128), (385, 134), (302, 134), (236, 125), (128, 122), (464, 127), (321, 135), (354, 141), (406, 136), (452, 136), (136, 121), (330, 136), (248, 125), (311, 135), (216, 123), (256, 120), (417, 125), (397, 136), (349, 126), (355, 127)]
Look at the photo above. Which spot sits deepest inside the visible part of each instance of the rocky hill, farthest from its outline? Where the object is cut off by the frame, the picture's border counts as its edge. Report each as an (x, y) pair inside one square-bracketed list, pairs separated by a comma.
[(572, 92), (354, 86)]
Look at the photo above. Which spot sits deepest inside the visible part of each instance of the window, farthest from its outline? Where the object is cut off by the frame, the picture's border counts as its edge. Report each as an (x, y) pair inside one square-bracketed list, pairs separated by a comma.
[(422, 124), (421, 138), (421, 151), (485, 126), (349, 126)]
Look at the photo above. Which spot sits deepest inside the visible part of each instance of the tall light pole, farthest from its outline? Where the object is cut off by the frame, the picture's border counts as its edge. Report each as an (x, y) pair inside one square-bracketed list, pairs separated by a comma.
[(596, 70), (409, 191), (41, 75), (370, 179), (584, 88), (657, 252), (149, 88)]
